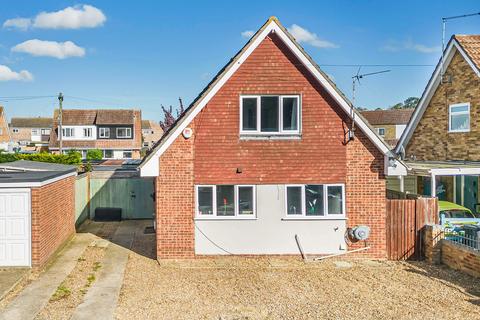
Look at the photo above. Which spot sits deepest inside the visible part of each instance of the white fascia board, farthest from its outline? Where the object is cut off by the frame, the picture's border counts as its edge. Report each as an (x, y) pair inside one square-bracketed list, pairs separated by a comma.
[(153, 169), (430, 90), (36, 184), (455, 171), (394, 167)]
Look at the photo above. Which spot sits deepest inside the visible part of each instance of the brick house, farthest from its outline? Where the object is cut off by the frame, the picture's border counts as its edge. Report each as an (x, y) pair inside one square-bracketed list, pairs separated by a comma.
[(31, 133), (389, 124), (117, 132), (5, 138), (263, 154), (440, 144), (151, 133)]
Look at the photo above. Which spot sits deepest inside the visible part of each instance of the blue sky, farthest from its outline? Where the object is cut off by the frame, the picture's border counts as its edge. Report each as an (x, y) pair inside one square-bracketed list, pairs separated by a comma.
[(147, 53)]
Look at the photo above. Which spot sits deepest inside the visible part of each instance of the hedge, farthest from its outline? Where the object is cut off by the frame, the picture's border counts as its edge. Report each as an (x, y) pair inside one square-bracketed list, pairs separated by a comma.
[(73, 158)]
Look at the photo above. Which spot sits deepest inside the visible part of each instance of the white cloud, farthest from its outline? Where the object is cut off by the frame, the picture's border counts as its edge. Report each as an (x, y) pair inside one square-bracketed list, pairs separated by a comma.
[(305, 36), (395, 46), (248, 33), (59, 50), (7, 74), (18, 23), (76, 17)]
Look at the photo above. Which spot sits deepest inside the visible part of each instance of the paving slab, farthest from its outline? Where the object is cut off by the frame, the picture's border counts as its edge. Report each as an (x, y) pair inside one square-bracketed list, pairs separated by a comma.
[(37, 294), (101, 299)]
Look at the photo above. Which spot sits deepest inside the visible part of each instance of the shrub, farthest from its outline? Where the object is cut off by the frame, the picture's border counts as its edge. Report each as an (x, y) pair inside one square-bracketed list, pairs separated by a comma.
[(73, 158), (94, 154)]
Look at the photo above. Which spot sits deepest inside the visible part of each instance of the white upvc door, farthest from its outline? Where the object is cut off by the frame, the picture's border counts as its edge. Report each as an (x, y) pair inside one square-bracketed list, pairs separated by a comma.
[(15, 228)]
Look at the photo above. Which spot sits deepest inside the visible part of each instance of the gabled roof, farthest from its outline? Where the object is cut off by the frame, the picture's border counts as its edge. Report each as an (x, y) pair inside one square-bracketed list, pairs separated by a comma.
[(391, 116), (37, 122), (99, 117), (146, 124), (468, 47), (150, 166)]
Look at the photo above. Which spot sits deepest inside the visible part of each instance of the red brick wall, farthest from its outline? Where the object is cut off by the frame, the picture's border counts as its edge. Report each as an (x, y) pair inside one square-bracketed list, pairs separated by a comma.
[(365, 191), (215, 151), (53, 218), (175, 201)]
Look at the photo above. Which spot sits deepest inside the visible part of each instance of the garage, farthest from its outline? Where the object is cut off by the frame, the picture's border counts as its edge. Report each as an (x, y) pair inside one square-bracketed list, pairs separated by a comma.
[(37, 211)]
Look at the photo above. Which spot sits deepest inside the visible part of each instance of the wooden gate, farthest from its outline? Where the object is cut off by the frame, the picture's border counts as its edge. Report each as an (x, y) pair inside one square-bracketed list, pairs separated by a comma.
[(405, 220)]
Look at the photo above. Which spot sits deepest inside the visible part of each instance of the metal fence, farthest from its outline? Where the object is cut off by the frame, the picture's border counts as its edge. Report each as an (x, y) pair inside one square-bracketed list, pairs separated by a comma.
[(460, 238)]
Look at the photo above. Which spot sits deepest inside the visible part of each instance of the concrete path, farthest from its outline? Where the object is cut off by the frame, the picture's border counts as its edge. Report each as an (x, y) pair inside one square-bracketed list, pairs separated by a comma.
[(10, 277), (37, 294), (101, 299)]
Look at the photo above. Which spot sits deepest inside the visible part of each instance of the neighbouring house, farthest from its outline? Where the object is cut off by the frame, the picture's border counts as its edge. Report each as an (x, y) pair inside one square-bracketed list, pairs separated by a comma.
[(389, 124), (151, 133), (31, 134), (264, 155), (5, 138), (440, 145), (37, 212), (117, 132)]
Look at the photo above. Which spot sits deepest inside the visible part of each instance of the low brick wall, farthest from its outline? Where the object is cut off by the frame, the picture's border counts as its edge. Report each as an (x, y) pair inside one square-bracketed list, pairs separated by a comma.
[(461, 258), (438, 250)]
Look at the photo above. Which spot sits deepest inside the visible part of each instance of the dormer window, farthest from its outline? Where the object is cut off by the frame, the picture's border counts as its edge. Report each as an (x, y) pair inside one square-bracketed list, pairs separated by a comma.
[(459, 117), (270, 114)]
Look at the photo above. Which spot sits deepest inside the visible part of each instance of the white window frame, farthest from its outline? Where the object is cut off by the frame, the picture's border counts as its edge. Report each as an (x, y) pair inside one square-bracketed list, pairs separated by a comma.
[(15, 130), (378, 131), (458, 113), (104, 132), (64, 132), (237, 216), (87, 130), (45, 132), (326, 215), (280, 115), (128, 131), (35, 132)]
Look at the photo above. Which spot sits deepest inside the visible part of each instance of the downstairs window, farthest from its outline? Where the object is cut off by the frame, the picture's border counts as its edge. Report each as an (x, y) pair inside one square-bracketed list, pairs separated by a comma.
[(315, 200), (225, 201)]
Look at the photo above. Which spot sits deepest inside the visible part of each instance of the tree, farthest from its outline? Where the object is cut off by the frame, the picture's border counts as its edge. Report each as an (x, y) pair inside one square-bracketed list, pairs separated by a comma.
[(409, 103), (168, 117), (94, 154)]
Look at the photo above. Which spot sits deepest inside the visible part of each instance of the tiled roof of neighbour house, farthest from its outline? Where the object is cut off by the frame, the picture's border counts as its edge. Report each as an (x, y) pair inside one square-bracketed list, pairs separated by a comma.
[(471, 45), (392, 116), (146, 124), (37, 122), (123, 116), (170, 133)]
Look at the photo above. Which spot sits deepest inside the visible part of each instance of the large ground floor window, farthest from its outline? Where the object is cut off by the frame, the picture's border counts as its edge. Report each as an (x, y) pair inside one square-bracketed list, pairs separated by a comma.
[(315, 200), (225, 201)]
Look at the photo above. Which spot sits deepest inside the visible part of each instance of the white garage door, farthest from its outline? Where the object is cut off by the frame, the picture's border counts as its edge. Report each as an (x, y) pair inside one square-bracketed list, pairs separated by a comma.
[(15, 243)]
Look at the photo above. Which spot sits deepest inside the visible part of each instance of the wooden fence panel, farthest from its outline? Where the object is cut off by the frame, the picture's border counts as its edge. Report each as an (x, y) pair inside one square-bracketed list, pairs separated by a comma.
[(405, 220)]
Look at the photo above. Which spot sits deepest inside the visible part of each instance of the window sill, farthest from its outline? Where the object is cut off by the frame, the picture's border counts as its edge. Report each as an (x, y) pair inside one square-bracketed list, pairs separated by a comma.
[(225, 218), (257, 136), (313, 218), (458, 131)]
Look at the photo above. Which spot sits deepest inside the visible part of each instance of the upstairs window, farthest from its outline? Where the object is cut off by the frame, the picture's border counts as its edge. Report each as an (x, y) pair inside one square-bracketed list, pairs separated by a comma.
[(270, 114), (459, 117), (87, 132), (315, 201), (68, 132), (15, 130), (104, 132), (124, 133), (381, 132), (35, 132), (45, 132)]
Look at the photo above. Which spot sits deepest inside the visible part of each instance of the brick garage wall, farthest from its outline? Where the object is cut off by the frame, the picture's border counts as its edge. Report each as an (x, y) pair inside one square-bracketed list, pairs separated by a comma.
[(215, 151), (431, 139), (53, 218)]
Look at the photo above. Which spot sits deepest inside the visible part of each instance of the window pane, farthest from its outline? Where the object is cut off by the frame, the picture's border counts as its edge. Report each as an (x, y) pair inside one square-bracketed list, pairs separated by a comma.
[(460, 122), (245, 200), (205, 200), (314, 200), (269, 114), (463, 108), (335, 200), (290, 114), (294, 200), (225, 201), (249, 114)]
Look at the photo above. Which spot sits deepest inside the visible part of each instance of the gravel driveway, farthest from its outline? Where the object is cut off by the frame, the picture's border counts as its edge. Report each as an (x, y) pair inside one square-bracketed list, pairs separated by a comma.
[(276, 288)]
